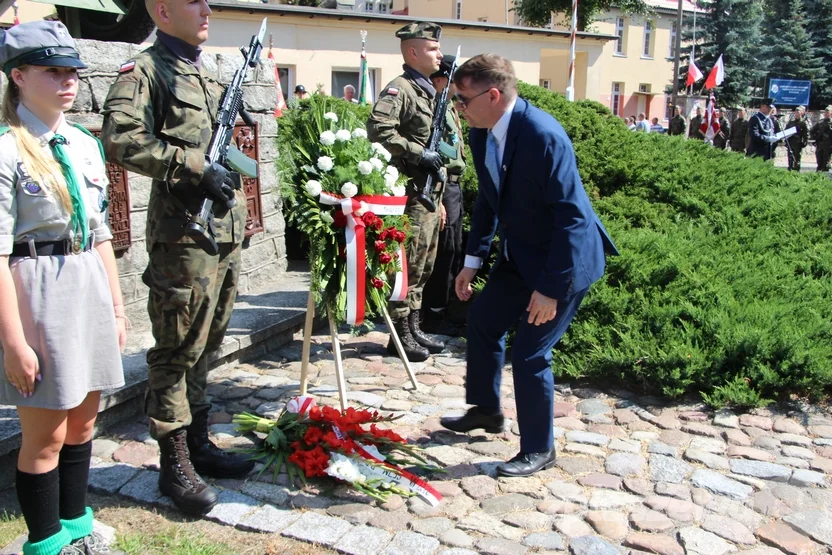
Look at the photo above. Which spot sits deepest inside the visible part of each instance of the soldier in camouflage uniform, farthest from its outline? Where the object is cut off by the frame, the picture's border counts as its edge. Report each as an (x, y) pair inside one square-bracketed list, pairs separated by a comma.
[(695, 124), (677, 125), (401, 121), (451, 251), (157, 122), (721, 138), (739, 132), (822, 134), (800, 140)]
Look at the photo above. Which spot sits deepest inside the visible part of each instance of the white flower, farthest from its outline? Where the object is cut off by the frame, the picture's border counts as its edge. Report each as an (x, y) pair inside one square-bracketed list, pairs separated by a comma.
[(343, 135), (325, 163), (389, 180), (328, 138), (363, 208), (391, 170), (343, 468), (313, 188), (381, 151), (327, 217), (349, 189), (399, 191), (358, 132), (331, 116), (365, 168), (377, 164)]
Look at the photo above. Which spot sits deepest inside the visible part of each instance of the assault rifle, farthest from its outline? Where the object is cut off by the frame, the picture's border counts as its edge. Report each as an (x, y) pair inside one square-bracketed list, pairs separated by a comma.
[(220, 150), (425, 198)]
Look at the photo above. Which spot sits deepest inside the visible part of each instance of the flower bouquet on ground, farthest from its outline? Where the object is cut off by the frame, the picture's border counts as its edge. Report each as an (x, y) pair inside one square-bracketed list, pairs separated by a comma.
[(349, 201), (312, 441)]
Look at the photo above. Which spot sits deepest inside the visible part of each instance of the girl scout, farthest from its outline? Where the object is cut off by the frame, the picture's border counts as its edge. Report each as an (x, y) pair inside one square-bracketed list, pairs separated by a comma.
[(62, 322)]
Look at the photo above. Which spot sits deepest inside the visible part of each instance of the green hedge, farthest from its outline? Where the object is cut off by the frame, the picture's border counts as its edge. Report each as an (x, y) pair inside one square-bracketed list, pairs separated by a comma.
[(723, 285)]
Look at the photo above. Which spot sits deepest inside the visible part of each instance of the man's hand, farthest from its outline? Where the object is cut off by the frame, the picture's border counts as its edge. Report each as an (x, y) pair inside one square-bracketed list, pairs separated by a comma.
[(463, 283), (443, 217), (430, 161), (541, 308), (217, 182)]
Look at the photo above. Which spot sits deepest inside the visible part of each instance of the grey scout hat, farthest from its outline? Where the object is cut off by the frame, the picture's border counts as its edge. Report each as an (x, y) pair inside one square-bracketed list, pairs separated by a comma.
[(38, 43)]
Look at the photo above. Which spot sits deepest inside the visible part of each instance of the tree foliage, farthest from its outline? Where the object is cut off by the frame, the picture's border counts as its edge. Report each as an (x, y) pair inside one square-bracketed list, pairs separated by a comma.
[(538, 13)]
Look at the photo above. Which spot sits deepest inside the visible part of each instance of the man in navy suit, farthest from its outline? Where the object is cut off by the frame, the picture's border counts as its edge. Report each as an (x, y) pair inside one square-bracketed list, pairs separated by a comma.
[(553, 248)]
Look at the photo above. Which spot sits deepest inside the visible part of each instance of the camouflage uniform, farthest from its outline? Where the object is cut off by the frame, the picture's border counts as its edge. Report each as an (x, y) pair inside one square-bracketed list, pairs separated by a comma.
[(797, 142), (822, 133), (693, 131), (157, 122), (739, 132), (677, 126), (721, 138)]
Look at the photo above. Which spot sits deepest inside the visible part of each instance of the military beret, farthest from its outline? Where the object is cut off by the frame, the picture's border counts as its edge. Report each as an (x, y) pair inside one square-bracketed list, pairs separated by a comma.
[(420, 30), (767, 102), (444, 67), (38, 43)]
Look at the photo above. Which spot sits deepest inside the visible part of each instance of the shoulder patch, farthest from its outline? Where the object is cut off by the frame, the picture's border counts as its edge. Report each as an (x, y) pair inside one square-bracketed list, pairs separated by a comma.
[(127, 66), (392, 90)]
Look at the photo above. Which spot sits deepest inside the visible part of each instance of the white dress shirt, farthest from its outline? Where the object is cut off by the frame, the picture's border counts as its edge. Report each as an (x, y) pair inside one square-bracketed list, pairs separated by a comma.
[(500, 131)]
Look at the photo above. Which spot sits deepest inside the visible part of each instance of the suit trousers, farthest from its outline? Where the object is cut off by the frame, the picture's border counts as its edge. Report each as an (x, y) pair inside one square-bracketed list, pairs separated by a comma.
[(502, 305), (450, 254)]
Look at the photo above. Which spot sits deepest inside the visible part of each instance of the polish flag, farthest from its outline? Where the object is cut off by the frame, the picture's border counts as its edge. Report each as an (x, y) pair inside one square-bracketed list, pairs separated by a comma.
[(710, 123), (717, 75), (694, 74)]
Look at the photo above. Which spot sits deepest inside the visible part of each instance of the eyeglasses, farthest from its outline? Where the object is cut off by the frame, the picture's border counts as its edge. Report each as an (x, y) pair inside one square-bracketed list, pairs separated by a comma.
[(463, 102)]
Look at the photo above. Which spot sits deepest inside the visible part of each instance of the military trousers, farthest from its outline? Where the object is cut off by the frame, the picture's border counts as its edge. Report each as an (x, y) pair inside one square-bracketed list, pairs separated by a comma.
[(795, 155), (191, 298), (822, 154), (421, 256)]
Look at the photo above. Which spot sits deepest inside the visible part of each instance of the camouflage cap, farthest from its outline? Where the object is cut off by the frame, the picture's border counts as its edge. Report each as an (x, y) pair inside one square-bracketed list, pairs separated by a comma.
[(38, 43), (420, 30)]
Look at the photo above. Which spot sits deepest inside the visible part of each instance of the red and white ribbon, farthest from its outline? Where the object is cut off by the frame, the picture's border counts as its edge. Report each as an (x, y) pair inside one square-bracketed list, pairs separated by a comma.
[(356, 249)]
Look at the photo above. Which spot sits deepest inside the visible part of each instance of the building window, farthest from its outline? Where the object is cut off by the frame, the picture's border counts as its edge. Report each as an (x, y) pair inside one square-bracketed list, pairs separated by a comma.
[(383, 7), (672, 49), (546, 84), (616, 98), (458, 14), (482, 19), (368, 6), (286, 82), (648, 39), (644, 87), (619, 30), (342, 78)]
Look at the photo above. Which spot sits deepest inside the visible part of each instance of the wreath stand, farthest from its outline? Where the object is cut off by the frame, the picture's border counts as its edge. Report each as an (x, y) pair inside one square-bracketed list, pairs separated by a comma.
[(336, 350)]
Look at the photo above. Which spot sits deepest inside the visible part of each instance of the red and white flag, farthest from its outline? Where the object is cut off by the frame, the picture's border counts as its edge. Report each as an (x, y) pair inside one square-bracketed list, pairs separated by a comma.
[(694, 73), (710, 123), (281, 101), (717, 75)]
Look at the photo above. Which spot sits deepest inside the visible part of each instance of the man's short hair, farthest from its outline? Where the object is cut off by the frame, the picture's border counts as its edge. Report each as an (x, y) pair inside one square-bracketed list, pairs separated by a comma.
[(489, 70), (349, 87)]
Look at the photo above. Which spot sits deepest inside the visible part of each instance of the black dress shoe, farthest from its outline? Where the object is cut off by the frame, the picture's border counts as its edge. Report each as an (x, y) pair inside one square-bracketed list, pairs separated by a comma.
[(473, 420), (526, 464)]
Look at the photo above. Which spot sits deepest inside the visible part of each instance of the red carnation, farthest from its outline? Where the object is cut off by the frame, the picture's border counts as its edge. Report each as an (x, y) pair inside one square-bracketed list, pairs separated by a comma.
[(379, 246), (399, 236), (368, 218), (313, 435), (385, 258), (377, 223), (377, 283)]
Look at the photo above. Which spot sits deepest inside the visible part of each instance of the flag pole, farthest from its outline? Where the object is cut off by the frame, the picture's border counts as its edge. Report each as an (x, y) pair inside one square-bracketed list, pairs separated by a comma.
[(677, 50), (693, 44), (362, 69), (570, 90)]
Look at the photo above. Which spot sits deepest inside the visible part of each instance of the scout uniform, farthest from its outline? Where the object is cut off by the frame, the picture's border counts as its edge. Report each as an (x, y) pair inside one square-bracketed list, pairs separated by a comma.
[(401, 121), (157, 122), (450, 253), (64, 299)]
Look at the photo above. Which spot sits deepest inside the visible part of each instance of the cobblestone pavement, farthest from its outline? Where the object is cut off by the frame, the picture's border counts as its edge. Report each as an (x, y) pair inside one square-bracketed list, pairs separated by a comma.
[(632, 476)]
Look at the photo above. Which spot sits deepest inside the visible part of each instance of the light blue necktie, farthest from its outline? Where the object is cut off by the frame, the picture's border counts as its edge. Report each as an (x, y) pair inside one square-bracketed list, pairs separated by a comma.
[(492, 163)]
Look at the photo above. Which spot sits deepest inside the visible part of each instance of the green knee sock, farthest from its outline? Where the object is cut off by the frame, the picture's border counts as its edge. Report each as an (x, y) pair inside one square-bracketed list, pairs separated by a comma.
[(50, 546), (80, 527)]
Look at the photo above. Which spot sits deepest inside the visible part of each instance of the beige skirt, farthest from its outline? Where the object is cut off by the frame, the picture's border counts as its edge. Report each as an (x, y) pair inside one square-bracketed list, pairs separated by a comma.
[(66, 308)]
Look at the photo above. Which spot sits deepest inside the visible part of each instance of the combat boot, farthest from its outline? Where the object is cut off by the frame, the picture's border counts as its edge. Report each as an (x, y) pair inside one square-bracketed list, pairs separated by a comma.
[(178, 479), (413, 351), (415, 321), (210, 460)]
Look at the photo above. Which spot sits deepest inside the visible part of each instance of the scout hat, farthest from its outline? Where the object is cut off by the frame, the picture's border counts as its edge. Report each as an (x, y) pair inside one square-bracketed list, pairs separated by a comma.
[(420, 30), (38, 43), (444, 67), (767, 102)]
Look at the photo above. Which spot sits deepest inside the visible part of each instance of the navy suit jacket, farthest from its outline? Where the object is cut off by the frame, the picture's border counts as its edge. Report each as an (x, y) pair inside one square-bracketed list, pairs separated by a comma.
[(552, 233)]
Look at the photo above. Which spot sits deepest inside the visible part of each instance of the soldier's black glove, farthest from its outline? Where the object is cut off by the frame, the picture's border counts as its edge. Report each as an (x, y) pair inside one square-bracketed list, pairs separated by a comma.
[(430, 161), (217, 182)]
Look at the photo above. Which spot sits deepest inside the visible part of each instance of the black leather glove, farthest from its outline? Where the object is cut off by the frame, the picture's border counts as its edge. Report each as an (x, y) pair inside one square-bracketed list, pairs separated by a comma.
[(217, 183), (430, 161)]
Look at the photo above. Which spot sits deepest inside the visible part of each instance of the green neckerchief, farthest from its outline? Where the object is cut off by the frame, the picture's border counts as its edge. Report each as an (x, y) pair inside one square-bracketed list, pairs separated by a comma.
[(79, 207)]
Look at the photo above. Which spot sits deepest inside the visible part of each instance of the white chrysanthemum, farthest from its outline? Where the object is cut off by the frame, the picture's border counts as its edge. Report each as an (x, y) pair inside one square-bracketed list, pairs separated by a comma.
[(389, 181), (358, 132), (377, 164), (331, 116), (327, 217), (328, 138), (391, 170), (349, 190), (399, 191), (313, 188), (343, 468), (325, 163), (381, 151), (343, 135), (365, 168)]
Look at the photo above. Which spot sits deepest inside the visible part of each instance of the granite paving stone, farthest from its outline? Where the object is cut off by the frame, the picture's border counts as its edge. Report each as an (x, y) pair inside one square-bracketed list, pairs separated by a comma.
[(717, 483), (714, 445), (315, 528), (710, 460), (268, 519), (144, 487), (648, 520), (606, 481), (529, 520), (729, 529), (654, 543), (483, 523), (798, 452), (815, 524), (737, 451), (789, 426), (456, 538), (231, 507), (760, 469), (696, 540), (669, 469), (544, 540), (605, 499), (589, 438), (624, 464), (801, 477), (788, 540), (503, 504), (572, 526), (591, 545), (794, 439), (679, 491), (411, 543), (659, 448), (610, 524), (676, 509), (500, 546), (110, 477)]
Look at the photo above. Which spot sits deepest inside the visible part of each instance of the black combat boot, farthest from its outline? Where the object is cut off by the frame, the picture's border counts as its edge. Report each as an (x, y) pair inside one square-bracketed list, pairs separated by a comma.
[(178, 479), (415, 320), (414, 351), (210, 460)]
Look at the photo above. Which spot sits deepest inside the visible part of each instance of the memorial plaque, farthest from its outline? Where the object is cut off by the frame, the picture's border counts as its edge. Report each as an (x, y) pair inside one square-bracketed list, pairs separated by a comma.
[(119, 207), (246, 139)]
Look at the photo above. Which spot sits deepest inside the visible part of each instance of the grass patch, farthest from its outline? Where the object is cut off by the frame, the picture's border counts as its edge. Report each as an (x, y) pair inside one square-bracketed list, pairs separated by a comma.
[(11, 526), (173, 540)]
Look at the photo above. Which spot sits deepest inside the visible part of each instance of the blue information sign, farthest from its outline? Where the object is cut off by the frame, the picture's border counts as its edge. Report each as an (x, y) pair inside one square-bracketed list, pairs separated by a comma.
[(789, 91)]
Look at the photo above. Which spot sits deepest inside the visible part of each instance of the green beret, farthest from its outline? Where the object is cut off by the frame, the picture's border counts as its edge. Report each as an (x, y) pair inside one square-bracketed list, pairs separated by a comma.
[(421, 30)]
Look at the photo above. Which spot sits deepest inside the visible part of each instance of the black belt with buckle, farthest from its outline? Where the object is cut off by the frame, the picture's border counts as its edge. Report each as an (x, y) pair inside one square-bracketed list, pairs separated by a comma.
[(454, 178), (33, 249)]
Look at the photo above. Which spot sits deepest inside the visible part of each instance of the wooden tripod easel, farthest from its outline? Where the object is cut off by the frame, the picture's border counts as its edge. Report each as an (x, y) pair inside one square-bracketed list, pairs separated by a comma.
[(336, 350)]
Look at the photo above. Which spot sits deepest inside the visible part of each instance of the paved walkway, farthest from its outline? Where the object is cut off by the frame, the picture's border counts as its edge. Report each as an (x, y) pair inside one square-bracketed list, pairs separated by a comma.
[(632, 476)]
